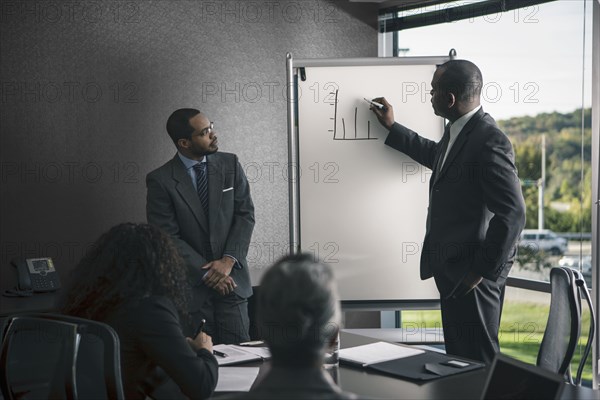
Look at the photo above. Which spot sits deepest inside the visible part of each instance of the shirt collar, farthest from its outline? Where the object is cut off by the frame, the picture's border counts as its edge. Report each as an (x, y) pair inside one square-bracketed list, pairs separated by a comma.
[(460, 123), (188, 162)]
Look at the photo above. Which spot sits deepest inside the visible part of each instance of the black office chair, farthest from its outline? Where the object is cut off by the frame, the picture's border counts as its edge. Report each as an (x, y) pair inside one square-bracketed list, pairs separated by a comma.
[(59, 357), (583, 291), (564, 324)]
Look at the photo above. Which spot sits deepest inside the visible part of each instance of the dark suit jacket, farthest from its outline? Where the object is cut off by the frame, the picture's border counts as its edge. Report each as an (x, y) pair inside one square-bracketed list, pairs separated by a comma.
[(173, 205), (150, 336), (476, 207), (296, 383)]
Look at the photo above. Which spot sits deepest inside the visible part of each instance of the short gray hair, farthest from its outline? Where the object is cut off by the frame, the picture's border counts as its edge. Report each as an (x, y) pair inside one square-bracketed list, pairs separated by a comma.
[(298, 309)]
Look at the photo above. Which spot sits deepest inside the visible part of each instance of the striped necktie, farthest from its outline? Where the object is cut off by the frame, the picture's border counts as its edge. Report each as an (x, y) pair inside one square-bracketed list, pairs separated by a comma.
[(202, 185)]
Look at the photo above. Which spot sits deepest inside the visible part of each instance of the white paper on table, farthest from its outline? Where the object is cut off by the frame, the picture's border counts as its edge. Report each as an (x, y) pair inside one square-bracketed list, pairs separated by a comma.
[(377, 352), (234, 354), (236, 379), (262, 352)]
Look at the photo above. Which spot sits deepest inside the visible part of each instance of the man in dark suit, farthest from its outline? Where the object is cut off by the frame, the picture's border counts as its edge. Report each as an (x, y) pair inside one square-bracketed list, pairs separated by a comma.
[(476, 208), (202, 199)]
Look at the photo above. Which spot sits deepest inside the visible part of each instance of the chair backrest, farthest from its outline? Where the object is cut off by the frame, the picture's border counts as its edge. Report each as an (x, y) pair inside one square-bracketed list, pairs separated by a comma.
[(564, 324), (584, 292), (57, 356)]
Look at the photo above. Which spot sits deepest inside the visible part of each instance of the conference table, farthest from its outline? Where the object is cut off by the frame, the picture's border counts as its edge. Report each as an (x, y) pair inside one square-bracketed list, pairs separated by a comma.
[(371, 384), (364, 382)]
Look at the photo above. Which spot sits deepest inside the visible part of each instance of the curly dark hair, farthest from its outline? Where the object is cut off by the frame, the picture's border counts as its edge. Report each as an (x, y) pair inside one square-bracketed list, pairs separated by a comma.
[(127, 263)]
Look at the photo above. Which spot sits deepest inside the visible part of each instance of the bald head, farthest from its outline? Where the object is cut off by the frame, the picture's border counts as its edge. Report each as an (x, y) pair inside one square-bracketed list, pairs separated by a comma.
[(462, 78)]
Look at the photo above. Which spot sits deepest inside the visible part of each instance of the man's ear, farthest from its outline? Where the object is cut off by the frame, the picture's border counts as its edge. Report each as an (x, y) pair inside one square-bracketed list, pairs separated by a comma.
[(183, 143), (451, 100)]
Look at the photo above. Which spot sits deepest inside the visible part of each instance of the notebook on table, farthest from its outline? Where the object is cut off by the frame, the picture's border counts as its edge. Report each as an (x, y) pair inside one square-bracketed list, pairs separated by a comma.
[(405, 361), (377, 352), (230, 354)]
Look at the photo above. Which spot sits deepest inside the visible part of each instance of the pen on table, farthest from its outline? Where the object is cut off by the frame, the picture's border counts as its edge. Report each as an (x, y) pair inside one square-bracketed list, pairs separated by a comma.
[(252, 343), (200, 327), (376, 104), (219, 353)]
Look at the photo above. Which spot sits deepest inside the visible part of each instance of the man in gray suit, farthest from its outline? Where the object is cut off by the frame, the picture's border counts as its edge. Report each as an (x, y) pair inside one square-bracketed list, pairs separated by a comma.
[(202, 199)]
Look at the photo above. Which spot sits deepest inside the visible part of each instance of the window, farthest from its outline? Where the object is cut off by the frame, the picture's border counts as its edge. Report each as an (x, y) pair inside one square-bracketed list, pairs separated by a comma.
[(532, 60), (536, 64)]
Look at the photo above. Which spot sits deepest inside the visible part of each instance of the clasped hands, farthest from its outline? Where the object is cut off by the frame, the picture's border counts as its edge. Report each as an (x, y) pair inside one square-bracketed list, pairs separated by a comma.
[(218, 277)]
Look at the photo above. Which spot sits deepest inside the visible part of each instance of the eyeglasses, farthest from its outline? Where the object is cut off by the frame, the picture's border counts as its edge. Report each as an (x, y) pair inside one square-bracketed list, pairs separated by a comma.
[(208, 130)]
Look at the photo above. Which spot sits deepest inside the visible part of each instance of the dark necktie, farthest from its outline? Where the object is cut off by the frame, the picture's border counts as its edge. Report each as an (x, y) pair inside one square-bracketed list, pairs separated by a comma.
[(444, 147), (437, 169), (202, 185)]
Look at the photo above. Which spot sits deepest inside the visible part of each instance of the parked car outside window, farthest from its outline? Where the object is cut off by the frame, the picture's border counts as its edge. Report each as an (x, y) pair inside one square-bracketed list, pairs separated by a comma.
[(543, 240)]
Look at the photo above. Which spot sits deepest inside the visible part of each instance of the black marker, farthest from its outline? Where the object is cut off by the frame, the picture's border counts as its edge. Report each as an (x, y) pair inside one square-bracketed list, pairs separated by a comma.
[(219, 353), (200, 327), (376, 104)]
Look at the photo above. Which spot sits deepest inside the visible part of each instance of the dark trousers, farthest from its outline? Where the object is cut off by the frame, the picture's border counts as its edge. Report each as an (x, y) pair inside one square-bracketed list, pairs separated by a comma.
[(226, 317), (471, 322)]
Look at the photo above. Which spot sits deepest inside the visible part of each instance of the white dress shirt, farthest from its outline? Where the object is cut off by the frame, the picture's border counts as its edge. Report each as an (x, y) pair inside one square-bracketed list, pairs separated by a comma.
[(456, 127)]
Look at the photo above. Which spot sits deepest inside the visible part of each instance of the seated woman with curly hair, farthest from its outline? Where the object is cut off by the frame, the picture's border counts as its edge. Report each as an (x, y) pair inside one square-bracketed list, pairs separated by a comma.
[(134, 280)]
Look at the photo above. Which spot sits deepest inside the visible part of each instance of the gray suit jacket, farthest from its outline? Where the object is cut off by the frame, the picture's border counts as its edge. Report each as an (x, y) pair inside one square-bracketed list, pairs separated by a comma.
[(173, 205)]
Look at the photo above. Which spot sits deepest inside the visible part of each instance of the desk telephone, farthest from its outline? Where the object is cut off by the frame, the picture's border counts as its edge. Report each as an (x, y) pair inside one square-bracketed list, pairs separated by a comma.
[(34, 275)]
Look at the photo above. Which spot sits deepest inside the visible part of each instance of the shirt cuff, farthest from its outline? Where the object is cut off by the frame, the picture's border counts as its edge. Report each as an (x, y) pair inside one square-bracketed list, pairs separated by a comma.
[(236, 263), (204, 353)]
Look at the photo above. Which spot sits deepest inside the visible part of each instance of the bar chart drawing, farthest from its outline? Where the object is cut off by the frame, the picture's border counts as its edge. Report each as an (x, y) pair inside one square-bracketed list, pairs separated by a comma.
[(342, 135)]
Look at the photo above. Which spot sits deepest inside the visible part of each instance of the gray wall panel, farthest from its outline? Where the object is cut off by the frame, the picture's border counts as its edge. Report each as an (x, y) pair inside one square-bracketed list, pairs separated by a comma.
[(86, 89)]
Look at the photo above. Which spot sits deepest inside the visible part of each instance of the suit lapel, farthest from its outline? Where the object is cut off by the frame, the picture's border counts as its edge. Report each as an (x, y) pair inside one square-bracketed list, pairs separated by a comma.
[(460, 142), (215, 189), (186, 190)]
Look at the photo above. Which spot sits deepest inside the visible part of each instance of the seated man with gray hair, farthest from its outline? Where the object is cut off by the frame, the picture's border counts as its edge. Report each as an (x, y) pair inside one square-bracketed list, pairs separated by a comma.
[(299, 318)]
